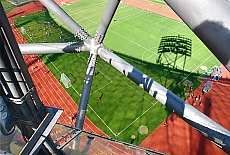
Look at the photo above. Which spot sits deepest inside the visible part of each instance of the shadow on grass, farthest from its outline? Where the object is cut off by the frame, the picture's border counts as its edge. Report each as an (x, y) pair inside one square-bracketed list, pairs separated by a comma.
[(169, 77), (177, 47), (160, 71)]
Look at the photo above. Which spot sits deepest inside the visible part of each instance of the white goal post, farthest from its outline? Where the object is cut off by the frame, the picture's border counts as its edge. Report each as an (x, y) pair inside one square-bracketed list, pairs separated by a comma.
[(23, 31), (65, 80)]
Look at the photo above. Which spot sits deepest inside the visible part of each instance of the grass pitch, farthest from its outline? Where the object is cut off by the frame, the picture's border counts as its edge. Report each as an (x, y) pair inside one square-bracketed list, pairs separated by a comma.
[(135, 36), (7, 6)]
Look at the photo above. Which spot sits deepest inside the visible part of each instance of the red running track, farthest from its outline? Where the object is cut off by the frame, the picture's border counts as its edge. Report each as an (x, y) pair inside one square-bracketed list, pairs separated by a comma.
[(178, 137), (62, 2), (49, 89), (153, 7)]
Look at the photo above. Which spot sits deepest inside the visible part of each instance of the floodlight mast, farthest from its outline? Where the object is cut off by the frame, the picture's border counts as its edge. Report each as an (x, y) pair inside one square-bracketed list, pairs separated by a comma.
[(210, 129), (202, 123), (210, 21)]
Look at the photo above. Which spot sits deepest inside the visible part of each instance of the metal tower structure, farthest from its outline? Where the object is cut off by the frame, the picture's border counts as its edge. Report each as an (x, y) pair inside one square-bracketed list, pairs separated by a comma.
[(20, 99)]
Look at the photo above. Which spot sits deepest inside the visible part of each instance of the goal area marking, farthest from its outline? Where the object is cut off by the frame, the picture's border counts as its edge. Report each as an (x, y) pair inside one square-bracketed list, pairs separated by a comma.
[(65, 80)]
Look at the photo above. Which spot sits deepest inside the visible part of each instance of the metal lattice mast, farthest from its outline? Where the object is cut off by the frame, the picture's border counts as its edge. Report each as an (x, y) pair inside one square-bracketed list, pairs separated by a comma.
[(95, 45), (213, 131), (92, 44), (19, 93)]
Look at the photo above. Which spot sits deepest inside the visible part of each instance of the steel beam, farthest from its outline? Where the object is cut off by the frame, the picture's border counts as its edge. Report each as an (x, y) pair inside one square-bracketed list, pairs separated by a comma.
[(18, 61), (42, 132), (67, 20), (106, 19), (81, 133), (74, 135), (210, 129), (50, 48), (14, 73), (86, 90), (24, 109)]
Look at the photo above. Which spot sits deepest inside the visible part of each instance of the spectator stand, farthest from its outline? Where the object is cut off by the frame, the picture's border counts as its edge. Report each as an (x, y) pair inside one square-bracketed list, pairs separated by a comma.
[(216, 73)]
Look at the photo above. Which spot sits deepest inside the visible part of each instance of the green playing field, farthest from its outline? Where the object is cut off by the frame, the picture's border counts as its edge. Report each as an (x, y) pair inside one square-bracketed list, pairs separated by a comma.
[(136, 36)]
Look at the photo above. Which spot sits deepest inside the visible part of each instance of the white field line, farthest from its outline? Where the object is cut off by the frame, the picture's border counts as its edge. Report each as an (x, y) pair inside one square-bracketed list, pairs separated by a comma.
[(86, 9), (104, 85), (156, 47), (60, 74), (79, 95), (147, 49), (188, 71), (152, 54), (120, 19), (157, 101), (60, 96), (153, 104), (134, 90), (171, 28), (122, 35), (137, 118), (124, 17), (192, 71), (102, 120), (37, 37), (88, 104), (131, 16), (95, 111), (72, 61)]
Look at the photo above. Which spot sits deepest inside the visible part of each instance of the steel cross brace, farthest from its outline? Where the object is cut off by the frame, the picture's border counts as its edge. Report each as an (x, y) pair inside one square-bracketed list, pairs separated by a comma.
[(42, 132)]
